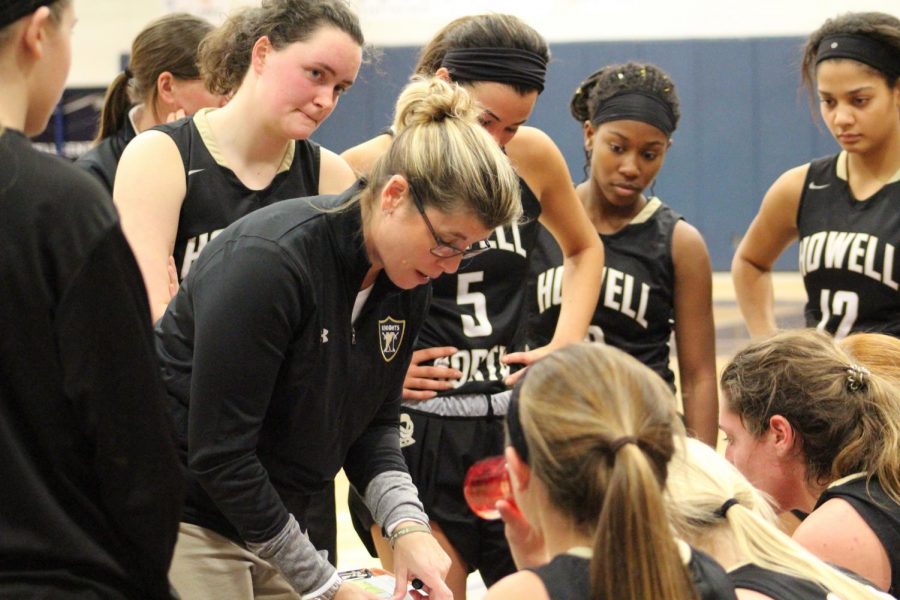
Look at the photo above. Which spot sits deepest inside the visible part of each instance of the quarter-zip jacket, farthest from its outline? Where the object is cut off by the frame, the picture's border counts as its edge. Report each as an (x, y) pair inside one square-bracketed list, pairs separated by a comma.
[(271, 387)]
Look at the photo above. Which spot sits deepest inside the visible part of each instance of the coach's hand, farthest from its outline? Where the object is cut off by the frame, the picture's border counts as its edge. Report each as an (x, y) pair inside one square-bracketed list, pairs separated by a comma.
[(419, 555)]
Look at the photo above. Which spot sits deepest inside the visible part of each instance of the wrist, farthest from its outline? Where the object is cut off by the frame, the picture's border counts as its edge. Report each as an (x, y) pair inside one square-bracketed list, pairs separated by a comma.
[(407, 528), (327, 591)]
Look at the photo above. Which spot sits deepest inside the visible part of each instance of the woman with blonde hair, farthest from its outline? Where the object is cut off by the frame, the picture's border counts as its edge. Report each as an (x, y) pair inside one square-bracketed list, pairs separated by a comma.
[(456, 391), (588, 459), (809, 424), (161, 83), (257, 346), (714, 508)]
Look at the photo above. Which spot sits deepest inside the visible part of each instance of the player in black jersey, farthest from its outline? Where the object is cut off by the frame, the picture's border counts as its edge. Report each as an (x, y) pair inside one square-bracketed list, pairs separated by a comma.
[(473, 330), (801, 413), (91, 493), (713, 507), (161, 83), (657, 276), (843, 209), (285, 65), (285, 349), (587, 460)]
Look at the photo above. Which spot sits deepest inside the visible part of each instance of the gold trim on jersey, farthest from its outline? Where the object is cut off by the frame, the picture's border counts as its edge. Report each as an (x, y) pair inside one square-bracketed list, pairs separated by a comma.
[(843, 172), (651, 207), (201, 120)]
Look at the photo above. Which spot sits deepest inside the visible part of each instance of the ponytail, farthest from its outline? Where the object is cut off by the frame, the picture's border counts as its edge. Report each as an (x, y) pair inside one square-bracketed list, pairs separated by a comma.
[(600, 445), (168, 44), (116, 105), (847, 418), (702, 483), (635, 556)]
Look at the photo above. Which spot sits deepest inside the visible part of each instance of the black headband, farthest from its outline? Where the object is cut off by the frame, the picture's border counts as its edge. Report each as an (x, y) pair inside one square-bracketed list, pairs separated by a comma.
[(13, 10), (864, 49), (501, 65), (514, 425), (636, 106)]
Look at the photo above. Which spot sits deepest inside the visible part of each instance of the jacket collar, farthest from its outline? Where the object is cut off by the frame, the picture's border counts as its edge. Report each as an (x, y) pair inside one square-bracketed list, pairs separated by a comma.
[(347, 239)]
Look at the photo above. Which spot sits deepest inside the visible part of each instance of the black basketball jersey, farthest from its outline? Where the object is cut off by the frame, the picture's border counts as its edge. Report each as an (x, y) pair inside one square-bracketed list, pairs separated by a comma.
[(636, 308), (567, 577), (847, 252), (479, 308), (103, 159), (777, 585), (880, 512), (215, 197)]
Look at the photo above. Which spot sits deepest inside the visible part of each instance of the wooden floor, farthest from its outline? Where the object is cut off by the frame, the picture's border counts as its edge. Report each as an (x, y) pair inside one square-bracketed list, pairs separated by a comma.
[(730, 336)]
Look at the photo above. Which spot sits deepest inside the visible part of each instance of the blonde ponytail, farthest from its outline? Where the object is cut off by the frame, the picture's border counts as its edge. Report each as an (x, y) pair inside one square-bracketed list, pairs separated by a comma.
[(701, 481)]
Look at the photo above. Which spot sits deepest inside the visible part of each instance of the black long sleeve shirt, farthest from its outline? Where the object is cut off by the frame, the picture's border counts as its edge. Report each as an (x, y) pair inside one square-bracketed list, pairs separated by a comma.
[(91, 493), (273, 390)]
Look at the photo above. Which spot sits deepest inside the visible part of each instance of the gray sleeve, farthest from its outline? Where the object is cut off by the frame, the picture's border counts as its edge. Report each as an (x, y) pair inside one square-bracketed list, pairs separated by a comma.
[(297, 559), (392, 497)]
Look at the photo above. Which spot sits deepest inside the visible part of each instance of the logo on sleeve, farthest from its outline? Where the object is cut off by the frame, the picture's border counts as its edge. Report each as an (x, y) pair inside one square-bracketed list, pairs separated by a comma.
[(390, 333)]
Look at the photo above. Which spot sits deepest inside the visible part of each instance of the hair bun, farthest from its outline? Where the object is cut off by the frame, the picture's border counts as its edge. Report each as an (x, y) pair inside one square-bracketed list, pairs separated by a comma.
[(432, 100)]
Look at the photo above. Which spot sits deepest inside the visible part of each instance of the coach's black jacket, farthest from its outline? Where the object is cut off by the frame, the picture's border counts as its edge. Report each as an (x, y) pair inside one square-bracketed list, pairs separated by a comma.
[(271, 388)]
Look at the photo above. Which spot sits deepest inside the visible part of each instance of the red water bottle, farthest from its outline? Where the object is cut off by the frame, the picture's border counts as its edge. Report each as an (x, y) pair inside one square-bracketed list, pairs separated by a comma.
[(486, 482)]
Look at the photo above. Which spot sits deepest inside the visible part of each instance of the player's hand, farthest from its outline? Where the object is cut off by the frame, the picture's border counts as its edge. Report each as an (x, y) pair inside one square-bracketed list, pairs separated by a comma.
[(523, 358), (174, 116), (423, 382)]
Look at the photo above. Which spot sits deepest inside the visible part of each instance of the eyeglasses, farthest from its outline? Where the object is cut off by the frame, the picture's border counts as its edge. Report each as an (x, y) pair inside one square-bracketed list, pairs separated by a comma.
[(444, 249)]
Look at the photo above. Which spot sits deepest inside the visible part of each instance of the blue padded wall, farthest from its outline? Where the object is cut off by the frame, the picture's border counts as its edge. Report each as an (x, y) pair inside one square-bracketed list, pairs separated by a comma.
[(744, 121)]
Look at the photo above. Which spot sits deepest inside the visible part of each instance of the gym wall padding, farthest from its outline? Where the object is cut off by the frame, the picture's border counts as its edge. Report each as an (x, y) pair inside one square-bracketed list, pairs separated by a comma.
[(744, 121)]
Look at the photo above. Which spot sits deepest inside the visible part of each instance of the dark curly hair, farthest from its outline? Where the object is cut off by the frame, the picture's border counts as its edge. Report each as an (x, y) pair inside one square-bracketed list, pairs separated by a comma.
[(225, 52), (612, 80)]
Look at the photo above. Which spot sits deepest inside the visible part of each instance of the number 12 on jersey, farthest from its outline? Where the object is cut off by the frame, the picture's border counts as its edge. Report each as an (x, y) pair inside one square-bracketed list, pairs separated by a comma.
[(838, 303)]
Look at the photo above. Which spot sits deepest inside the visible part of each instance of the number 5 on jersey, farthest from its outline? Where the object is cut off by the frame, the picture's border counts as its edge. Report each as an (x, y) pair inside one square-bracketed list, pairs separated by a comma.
[(477, 325)]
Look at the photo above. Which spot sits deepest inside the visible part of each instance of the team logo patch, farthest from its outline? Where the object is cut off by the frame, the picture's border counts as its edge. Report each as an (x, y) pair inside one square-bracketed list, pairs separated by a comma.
[(390, 334), (406, 431)]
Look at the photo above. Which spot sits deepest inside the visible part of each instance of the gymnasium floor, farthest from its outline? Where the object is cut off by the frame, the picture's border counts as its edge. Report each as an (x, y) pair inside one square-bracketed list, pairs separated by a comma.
[(730, 336)]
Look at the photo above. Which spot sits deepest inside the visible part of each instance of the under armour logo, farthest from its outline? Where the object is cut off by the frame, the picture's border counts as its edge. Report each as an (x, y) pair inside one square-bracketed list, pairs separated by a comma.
[(324, 336)]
